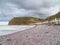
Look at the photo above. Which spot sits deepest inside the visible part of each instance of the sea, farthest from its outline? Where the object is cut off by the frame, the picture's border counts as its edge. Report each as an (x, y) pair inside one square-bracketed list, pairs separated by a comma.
[(9, 29)]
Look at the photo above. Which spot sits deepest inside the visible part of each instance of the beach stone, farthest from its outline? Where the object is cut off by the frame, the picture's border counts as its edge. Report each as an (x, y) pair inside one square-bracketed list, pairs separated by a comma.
[(40, 35)]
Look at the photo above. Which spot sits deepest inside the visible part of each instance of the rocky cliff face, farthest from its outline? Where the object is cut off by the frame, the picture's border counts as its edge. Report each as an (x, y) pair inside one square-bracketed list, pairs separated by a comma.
[(23, 20)]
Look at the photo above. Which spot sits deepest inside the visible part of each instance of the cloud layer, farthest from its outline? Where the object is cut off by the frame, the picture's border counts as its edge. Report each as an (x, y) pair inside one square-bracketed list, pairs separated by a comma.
[(34, 8)]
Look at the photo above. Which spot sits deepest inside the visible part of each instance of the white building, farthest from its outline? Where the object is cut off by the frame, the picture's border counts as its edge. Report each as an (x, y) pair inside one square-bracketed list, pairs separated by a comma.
[(56, 21)]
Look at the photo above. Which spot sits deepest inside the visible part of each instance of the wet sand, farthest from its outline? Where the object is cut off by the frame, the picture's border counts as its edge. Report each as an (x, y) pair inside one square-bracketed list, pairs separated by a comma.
[(39, 35)]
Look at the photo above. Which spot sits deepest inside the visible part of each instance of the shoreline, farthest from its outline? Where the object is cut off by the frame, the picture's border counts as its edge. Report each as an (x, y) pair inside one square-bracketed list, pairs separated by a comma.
[(14, 31), (40, 35), (35, 25)]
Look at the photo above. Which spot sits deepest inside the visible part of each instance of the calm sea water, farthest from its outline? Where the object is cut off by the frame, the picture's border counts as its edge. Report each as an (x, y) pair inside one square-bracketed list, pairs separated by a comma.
[(5, 29)]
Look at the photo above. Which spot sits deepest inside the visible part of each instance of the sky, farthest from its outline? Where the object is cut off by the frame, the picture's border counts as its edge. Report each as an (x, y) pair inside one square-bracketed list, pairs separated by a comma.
[(33, 8)]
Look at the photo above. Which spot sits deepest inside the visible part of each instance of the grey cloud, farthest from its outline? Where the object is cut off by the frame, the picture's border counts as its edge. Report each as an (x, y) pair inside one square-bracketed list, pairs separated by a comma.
[(34, 8), (32, 4)]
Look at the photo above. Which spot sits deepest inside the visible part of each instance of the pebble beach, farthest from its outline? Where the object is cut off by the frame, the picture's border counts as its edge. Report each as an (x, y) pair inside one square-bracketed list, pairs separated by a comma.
[(38, 35)]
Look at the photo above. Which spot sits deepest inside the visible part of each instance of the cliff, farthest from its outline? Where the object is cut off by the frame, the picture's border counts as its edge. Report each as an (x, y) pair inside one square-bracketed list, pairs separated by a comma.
[(23, 20)]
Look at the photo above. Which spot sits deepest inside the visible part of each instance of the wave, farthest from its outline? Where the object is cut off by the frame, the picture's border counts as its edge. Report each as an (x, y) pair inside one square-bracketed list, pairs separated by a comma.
[(6, 29)]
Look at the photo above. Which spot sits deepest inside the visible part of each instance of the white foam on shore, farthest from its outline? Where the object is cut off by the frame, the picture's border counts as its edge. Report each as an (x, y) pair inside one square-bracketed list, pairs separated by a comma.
[(3, 23), (4, 30)]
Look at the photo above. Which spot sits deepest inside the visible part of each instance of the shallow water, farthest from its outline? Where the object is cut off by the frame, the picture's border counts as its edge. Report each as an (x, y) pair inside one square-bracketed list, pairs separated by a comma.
[(5, 29)]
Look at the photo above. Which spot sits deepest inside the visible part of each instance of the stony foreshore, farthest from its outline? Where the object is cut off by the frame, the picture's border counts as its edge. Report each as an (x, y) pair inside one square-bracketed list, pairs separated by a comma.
[(40, 35)]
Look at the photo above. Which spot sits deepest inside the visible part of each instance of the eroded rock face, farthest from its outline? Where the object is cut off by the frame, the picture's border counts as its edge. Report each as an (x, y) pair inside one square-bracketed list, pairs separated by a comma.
[(15, 21), (18, 21)]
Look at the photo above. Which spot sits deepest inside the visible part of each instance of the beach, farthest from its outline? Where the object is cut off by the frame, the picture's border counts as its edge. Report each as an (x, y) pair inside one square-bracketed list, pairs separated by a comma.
[(39, 35)]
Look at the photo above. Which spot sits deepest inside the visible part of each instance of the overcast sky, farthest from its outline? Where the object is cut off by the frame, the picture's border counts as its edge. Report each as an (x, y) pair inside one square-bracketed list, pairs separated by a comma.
[(34, 8)]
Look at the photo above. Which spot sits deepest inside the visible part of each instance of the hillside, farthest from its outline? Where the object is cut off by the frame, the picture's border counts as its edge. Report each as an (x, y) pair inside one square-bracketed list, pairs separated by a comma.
[(53, 17), (23, 20)]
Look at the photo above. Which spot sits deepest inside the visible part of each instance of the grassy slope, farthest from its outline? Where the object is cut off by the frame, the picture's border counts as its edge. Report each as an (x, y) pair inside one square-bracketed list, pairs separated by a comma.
[(53, 17)]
